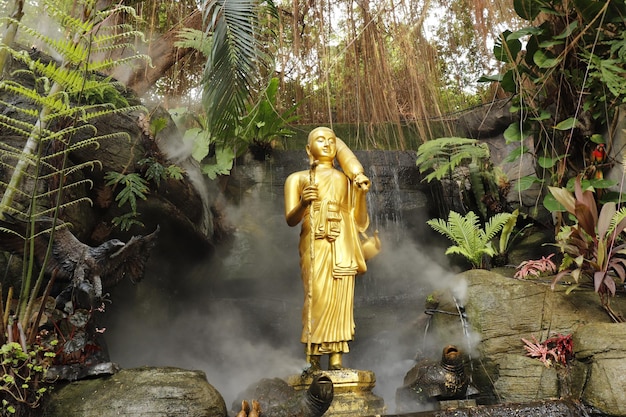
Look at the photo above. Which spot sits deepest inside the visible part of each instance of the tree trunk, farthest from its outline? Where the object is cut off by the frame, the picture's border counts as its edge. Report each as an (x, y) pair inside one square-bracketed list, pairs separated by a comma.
[(164, 55)]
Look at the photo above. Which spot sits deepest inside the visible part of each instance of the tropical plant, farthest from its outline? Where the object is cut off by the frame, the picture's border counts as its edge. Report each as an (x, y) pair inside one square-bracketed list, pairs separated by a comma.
[(52, 107), (263, 124), (566, 75), (22, 376), (593, 246), (536, 267), (509, 234), (465, 163), (558, 350), (235, 62), (471, 240)]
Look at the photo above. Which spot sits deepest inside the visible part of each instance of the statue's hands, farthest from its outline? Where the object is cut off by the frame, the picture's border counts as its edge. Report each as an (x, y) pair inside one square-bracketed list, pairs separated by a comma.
[(309, 194), (362, 182)]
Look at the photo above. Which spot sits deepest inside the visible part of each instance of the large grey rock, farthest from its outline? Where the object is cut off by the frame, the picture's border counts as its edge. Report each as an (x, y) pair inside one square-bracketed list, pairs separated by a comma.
[(603, 346), (502, 310), (140, 392)]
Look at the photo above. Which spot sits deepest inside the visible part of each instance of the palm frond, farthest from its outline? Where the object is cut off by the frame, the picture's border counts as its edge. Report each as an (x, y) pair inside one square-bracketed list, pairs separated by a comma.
[(231, 71)]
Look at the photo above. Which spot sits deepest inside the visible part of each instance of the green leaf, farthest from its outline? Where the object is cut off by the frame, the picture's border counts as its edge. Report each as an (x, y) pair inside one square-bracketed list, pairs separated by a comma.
[(516, 133), (568, 30), (490, 78), (516, 154), (597, 138), (527, 9), (524, 183), (506, 49), (508, 83), (531, 30), (552, 205), (544, 59), (549, 162), (543, 115), (567, 124), (224, 158)]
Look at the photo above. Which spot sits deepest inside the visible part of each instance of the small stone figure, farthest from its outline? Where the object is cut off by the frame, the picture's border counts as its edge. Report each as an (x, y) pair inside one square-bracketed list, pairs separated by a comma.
[(431, 381), (276, 398), (331, 207)]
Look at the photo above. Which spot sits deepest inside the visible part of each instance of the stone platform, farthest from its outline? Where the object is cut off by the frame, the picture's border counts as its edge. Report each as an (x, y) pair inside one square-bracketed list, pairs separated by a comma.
[(352, 388)]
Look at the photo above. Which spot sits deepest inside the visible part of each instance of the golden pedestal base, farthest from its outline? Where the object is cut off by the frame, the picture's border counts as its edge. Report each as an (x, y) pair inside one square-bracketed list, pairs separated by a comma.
[(352, 389)]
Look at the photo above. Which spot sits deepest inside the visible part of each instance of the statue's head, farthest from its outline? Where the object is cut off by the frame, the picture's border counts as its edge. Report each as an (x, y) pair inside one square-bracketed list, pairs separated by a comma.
[(322, 143)]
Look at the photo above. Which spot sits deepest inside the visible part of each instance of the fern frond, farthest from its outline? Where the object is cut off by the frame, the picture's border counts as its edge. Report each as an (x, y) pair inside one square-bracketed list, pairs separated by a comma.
[(196, 39), (108, 63), (616, 221), (443, 155), (50, 211), (10, 106), (69, 23), (70, 185), (103, 41), (495, 224), (130, 109), (10, 123), (465, 231)]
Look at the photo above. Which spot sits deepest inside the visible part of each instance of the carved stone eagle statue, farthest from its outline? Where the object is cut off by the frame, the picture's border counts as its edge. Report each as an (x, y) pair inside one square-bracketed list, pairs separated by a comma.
[(71, 260)]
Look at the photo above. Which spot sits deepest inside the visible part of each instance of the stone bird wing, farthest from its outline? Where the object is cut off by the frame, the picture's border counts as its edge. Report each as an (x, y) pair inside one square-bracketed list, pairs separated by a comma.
[(66, 248), (129, 261)]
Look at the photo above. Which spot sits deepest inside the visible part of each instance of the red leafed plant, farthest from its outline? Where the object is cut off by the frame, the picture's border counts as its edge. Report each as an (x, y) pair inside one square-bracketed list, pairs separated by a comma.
[(559, 348), (536, 267), (593, 246)]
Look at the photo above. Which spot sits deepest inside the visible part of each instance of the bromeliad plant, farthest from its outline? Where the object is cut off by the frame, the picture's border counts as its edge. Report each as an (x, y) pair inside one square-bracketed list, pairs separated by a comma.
[(471, 240), (593, 246)]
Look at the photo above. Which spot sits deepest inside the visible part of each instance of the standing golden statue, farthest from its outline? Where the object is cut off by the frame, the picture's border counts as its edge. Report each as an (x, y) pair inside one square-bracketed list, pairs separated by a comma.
[(332, 208)]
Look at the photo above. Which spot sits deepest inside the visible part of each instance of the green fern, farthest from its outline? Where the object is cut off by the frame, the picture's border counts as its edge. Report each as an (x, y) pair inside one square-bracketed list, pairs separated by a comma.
[(134, 187), (443, 155), (471, 241), (195, 39), (64, 100)]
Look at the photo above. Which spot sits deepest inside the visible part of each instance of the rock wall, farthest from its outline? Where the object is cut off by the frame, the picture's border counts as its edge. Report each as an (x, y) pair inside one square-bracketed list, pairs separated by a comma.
[(502, 310)]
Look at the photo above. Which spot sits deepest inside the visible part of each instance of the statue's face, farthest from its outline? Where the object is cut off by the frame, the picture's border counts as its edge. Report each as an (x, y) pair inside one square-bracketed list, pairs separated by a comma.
[(323, 146)]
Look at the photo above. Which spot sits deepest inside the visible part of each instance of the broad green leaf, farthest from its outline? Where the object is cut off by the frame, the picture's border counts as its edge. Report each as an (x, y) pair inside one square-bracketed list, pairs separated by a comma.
[(490, 78), (505, 49), (514, 133), (508, 83), (565, 198), (568, 30), (525, 32), (552, 205), (543, 115), (527, 9), (597, 138), (545, 60), (567, 124), (550, 43), (515, 154), (524, 183), (549, 162)]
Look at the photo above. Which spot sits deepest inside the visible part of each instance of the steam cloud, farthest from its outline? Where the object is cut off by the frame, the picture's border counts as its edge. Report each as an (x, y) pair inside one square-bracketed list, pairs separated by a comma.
[(236, 316)]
